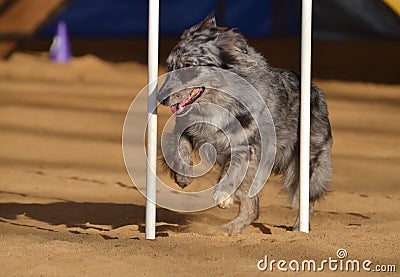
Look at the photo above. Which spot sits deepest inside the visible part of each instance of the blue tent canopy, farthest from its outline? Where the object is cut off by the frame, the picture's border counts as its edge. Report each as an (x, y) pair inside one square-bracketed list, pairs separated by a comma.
[(127, 18), (332, 19)]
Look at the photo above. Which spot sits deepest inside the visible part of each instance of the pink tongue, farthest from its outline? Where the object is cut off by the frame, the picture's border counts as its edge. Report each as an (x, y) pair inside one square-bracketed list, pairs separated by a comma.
[(178, 106), (181, 104)]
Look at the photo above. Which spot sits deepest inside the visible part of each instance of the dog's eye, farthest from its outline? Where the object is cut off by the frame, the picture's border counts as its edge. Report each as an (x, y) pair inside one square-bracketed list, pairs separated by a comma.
[(188, 65)]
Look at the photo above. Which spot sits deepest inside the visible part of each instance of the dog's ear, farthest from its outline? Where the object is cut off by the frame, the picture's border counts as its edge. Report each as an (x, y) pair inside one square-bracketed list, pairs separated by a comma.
[(207, 23)]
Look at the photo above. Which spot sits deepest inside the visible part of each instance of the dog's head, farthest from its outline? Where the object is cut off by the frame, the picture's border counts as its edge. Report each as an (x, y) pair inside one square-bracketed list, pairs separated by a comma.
[(205, 44)]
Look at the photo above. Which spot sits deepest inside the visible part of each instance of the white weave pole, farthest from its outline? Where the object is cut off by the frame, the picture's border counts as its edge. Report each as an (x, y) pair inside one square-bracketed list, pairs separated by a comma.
[(305, 114), (152, 120)]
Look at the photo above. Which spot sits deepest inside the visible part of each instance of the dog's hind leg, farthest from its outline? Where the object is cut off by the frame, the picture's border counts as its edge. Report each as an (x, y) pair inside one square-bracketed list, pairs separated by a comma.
[(320, 176), (296, 226)]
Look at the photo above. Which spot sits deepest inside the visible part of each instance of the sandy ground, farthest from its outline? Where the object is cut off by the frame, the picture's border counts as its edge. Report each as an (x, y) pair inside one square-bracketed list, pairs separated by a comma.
[(68, 207)]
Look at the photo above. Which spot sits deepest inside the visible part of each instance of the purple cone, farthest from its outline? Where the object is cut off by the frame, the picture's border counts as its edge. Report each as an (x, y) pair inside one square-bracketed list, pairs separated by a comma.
[(60, 51)]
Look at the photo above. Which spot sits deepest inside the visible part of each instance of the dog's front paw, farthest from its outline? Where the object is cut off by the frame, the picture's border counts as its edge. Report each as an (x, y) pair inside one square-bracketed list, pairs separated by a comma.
[(183, 181), (223, 199)]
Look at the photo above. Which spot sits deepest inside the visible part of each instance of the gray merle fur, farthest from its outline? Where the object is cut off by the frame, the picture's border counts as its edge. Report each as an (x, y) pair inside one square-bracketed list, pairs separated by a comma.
[(207, 44)]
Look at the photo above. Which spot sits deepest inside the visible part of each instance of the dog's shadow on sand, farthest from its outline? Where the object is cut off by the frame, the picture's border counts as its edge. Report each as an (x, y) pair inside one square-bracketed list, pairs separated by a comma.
[(75, 214)]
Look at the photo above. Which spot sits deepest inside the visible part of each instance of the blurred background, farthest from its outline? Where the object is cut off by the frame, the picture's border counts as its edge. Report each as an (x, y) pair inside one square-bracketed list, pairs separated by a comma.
[(353, 40)]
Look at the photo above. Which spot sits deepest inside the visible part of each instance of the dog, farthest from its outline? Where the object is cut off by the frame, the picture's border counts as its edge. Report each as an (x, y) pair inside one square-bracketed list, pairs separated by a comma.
[(208, 45)]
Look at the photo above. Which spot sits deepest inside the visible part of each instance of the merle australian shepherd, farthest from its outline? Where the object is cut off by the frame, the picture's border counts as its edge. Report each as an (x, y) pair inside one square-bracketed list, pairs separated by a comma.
[(207, 44)]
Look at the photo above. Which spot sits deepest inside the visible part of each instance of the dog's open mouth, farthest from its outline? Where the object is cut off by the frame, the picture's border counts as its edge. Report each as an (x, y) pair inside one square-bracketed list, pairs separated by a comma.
[(178, 107)]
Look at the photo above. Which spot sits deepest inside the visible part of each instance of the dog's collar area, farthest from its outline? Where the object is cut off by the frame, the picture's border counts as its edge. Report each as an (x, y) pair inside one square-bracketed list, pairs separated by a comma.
[(178, 107)]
